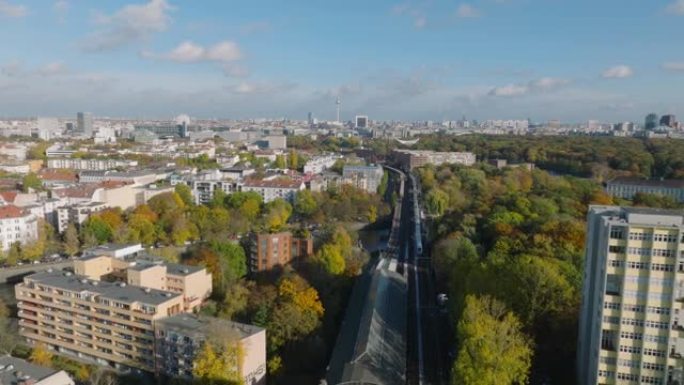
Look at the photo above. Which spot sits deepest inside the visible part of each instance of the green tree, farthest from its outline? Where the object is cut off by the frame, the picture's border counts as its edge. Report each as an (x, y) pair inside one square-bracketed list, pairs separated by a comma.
[(31, 181), (436, 202), (185, 194), (97, 229), (37, 152), (280, 162), (41, 356), (71, 241), (330, 258), (276, 215), (304, 203), (493, 349)]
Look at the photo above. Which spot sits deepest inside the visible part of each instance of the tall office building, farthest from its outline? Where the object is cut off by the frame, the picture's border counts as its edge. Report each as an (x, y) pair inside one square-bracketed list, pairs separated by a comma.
[(669, 121), (361, 121), (651, 122), (84, 123), (630, 330)]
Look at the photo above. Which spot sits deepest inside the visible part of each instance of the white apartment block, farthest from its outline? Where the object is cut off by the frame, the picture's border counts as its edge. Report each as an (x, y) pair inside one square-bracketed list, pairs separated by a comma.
[(90, 164), (274, 188), (318, 164), (16, 225), (631, 328)]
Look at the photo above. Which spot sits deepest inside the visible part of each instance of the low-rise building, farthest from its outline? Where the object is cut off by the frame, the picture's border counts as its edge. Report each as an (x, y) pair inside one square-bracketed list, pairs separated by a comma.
[(193, 282), (90, 164), (267, 251), (15, 371), (138, 178), (367, 178), (626, 188), (318, 164), (16, 225), (274, 188), (180, 337)]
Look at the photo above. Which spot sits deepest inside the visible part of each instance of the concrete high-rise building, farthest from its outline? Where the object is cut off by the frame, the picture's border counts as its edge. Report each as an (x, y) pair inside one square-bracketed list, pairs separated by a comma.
[(361, 121), (669, 121), (651, 122), (631, 328), (84, 123)]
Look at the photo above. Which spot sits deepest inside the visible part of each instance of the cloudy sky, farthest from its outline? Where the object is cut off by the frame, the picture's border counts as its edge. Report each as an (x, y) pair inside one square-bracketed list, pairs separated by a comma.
[(414, 60)]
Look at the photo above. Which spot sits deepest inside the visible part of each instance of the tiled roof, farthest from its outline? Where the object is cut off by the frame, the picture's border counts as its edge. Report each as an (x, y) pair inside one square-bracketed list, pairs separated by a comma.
[(10, 211)]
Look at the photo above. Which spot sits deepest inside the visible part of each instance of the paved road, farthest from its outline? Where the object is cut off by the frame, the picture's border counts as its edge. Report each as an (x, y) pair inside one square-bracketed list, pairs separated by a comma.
[(428, 334)]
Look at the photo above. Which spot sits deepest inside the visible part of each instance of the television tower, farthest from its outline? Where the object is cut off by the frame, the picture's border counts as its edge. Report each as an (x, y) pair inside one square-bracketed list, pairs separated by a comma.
[(338, 102)]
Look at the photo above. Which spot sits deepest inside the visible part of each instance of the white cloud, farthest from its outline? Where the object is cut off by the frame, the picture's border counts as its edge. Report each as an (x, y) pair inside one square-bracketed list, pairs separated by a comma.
[(510, 90), (618, 72), (52, 69), (676, 8), (535, 86), (188, 52), (129, 24), (61, 8), (548, 83), (674, 66), (417, 13), (8, 9), (466, 11), (420, 22), (251, 88)]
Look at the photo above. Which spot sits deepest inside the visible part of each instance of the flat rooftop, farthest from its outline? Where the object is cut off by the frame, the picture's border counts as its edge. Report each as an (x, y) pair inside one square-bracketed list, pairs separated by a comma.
[(192, 324), (116, 291), (14, 370)]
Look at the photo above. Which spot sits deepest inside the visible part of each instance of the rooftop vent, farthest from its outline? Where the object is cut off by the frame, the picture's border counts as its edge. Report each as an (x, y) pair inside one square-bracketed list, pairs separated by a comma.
[(84, 280), (169, 295), (2, 367), (49, 270), (122, 284), (67, 274), (94, 283), (9, 367), (186, 271), (147, 290)]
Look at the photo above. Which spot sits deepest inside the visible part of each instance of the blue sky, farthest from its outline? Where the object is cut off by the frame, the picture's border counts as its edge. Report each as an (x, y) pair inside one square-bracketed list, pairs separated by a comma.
[(407, 60)]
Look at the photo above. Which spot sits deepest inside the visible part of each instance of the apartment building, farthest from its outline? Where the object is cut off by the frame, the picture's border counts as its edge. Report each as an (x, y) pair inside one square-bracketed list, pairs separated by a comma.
[(107, 323), (318, 164), (90, 164), (410, 159), (193, 282), (271, 189), (16, 225), (631, 328), (367, 178), (626, 188), (180, 337), (267, 251), (15, 371)]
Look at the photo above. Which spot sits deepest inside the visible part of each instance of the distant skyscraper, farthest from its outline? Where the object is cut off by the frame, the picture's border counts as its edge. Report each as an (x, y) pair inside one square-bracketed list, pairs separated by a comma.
[(84, 123), (669, 121), (651, 122), (337, 103), (361, 121), (310, 119), (631, 327)]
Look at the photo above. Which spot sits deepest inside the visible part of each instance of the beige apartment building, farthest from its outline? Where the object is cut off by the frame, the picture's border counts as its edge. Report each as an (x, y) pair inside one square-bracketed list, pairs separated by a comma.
[(631, 324), (102, 322), (193, 282), (180, 337)]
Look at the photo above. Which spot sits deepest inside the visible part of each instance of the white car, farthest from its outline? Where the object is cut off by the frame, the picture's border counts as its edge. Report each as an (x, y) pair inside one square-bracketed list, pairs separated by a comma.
[(442, 299)]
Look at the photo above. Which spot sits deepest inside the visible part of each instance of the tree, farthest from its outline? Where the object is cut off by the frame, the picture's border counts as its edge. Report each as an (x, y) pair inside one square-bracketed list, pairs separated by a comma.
[(330, 258), (436, 202), (37, 152), (296, 313), (493, 349), (96, 229), (9, 338), (280, 162), (41, 356), (218, 366), (31, 181), (304, 203), (184, 193), (277, 213)]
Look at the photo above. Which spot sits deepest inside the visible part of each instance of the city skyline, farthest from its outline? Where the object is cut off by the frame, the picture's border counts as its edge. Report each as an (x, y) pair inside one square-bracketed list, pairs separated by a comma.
[(416, 60)]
